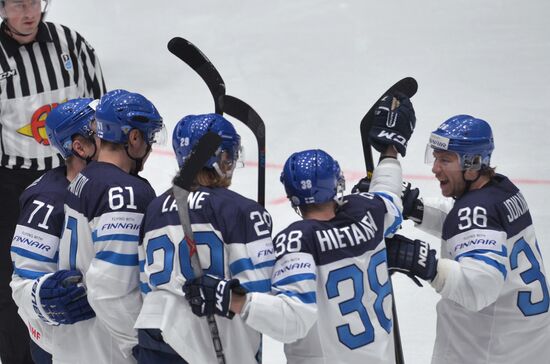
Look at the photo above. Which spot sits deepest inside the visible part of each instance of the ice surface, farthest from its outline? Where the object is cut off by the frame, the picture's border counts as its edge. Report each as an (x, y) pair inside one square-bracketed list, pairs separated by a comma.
[(312, 68)]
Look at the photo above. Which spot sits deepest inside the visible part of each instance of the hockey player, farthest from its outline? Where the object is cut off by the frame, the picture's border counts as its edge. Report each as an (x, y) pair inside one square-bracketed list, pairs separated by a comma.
[(104, 211), (34, 248), (494, 293), (233, 236), (331, 298)]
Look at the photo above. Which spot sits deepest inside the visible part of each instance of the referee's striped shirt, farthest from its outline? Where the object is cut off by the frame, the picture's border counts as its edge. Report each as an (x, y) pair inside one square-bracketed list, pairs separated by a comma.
[(34, 78)]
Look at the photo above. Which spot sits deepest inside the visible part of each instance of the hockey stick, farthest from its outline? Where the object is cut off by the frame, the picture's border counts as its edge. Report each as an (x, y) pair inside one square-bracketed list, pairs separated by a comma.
[(181, 185), (197, 60), (407, 86), (192, 55), (241, 111)]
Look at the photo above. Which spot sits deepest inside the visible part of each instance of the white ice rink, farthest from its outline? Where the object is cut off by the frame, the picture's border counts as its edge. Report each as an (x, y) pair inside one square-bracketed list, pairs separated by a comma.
[(312, 68)]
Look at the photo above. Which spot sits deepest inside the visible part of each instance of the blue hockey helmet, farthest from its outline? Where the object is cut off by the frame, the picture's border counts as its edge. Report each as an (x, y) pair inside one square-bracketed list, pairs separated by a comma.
[(120, 111), (70, 118), (312, 176), (470, 138), (191, 128)]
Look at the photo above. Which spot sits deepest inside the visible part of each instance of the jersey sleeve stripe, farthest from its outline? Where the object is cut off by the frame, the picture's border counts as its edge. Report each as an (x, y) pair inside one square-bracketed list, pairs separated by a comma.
[(117, 258), (307, 297), (295, 278), (398, 219), (258, 286), (493, 263), (117, 237), (144, 287), (29, 274), (244, 264), (142, 266), (503, 252), (384, 195), (27, 254)]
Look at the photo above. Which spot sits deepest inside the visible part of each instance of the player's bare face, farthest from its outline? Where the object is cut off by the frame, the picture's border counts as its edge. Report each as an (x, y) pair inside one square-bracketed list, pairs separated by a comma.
[(447, 170), (23, 17)]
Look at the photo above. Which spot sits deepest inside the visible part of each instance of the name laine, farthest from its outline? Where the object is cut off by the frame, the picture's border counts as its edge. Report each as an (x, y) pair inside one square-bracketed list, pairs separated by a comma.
[(194, 200), (516, 206), (77, 184), (351, 235)]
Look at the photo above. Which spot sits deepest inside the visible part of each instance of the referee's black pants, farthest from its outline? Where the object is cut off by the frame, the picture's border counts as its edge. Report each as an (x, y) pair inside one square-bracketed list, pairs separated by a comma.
[(14, 335)]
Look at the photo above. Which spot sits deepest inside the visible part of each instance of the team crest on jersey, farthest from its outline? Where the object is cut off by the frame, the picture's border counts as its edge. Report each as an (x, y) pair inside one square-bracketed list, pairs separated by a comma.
[(37, 127), (8, 74), (67, 62)]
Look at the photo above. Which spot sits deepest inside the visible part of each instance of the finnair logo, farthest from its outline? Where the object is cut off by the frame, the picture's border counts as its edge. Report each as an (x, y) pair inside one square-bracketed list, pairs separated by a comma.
[(439, 142)]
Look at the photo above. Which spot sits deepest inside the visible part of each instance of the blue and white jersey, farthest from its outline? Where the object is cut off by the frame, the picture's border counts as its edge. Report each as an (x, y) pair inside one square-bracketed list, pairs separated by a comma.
[(331, 281), (495, 296), (34, 248), (103, 216), (233, 237)]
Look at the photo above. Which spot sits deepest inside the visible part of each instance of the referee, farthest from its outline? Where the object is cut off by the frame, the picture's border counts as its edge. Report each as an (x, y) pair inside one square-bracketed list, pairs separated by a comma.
[(42, 64)]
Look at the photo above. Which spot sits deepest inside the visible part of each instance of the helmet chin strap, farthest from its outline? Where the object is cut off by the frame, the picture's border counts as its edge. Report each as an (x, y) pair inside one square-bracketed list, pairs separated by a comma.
[(467, 182), (13, 31), (139, 161), (89, 158)]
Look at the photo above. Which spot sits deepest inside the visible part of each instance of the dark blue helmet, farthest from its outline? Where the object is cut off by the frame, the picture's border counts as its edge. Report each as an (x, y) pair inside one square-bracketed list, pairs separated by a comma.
[(467, 136), (70, 118), (191, 128), (120, 111), (312, 176)]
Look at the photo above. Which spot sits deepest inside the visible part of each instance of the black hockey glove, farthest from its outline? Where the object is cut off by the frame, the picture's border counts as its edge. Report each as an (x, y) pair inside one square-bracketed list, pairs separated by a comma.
[(392, 126), (413, 208), (210, 295), (362, 186), (64, 299), (412, 257)]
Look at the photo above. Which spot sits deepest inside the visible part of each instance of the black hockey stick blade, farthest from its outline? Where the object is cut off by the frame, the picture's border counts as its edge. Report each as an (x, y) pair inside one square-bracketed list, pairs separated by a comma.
[(407, 86), (205, 148), (243, 112), (192, 55)]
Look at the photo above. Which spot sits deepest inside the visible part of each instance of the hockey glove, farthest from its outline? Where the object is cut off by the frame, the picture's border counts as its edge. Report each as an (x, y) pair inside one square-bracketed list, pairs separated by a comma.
[(210, 295), (362, 186), (412, 257), (63, 298), (393, 123), (413, 208)]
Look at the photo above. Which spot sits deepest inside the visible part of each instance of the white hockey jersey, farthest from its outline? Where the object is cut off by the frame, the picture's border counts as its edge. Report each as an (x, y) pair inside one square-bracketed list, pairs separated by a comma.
[(332, 298), (233, 236), (103, 217), (34, 249), (495, 295)]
